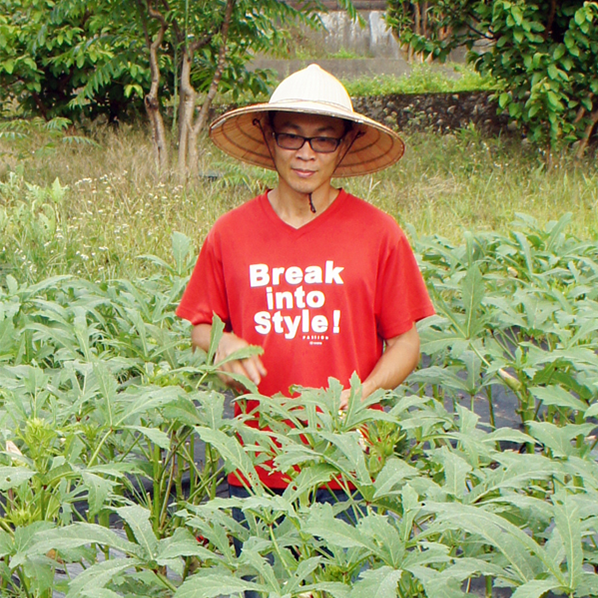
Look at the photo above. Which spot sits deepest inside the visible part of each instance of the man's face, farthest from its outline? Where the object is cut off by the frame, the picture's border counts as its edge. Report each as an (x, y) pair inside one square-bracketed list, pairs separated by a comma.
[(305, 170)]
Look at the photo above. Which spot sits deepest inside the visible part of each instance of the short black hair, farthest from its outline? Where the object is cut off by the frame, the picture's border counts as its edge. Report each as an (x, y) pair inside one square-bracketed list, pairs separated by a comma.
[(348, 124)]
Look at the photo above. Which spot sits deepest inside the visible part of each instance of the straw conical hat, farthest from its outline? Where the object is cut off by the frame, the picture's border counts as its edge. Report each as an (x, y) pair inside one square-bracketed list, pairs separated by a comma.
[(309, 91)]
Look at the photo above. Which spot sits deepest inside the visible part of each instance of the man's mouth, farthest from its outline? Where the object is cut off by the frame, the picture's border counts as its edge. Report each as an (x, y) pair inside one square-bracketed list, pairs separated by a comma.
[(303, 173)]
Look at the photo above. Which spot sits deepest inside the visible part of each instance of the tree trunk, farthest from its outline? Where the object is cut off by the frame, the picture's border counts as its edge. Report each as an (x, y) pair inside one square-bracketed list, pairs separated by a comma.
[(151, 100), (583, 144), (186, 108), (202, 118), (189, 129)]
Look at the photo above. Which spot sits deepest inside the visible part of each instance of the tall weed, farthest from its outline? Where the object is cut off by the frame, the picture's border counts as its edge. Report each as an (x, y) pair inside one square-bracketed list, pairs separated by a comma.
[(114, 208)]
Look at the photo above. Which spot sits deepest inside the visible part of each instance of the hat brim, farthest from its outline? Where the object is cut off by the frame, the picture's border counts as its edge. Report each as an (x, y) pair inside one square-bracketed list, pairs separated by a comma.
[(378, 146)]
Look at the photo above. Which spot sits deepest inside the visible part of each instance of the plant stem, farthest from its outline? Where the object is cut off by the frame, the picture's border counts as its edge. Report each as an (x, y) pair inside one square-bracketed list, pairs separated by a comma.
[(98, 448), (491, 408), (157, 488)]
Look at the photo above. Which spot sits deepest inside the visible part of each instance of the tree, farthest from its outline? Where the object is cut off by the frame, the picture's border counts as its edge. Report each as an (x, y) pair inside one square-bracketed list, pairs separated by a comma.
[(542, 53), (75, 58), (53, 53)]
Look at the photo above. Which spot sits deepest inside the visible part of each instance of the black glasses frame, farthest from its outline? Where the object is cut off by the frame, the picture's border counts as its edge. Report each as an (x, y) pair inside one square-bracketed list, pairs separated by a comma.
[(292, 136)]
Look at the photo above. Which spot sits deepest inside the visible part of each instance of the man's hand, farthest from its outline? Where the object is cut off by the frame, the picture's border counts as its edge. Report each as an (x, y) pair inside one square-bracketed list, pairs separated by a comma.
[(252, 367), (345, 394), (398, 360)]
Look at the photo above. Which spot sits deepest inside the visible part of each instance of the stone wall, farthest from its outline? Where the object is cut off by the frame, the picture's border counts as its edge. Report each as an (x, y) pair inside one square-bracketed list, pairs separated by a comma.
[(442, 112)]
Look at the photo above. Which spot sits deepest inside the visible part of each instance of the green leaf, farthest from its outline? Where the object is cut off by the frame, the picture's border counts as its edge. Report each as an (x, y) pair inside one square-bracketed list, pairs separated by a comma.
[(566, 517), (100, 593), (155, 435), (213, 583), (553, 101), (394, 473), (12, 284), (592, 411), (309, 478), (70, 537), (520, 551), (138, 520), (182, 544), (98, 490), (215, 336), (323, 524), (559, 52), (555, 395), (181, 249), (349, 445), (517, 14), (100, 574), (473, 294), (535, 588), (455, 471), (558, 439), (553, 72), (381, 583), (11, 477), (108, 389), (303, 572), (231, 451)]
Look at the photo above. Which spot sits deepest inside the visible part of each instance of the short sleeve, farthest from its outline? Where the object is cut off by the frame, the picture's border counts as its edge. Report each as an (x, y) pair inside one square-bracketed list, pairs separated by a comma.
[(205, 294), (401, 295)]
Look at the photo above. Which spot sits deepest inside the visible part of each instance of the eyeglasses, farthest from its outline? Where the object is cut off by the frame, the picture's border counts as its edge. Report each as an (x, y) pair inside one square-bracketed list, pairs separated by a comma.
[(321, 145)]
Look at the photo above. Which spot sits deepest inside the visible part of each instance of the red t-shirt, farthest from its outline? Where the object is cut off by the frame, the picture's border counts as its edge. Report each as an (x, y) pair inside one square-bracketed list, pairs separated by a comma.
[(320, 299)]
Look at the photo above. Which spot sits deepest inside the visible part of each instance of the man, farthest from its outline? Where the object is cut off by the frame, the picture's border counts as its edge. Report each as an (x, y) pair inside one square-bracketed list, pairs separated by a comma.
[(324, 282)]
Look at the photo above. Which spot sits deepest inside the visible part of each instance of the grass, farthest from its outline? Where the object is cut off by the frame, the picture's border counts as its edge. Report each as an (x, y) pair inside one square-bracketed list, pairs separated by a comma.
[(423, 78), (108, 206)]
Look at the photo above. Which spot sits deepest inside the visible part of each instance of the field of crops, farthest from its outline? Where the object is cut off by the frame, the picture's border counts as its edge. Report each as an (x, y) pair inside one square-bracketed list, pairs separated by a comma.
[(104, 407)]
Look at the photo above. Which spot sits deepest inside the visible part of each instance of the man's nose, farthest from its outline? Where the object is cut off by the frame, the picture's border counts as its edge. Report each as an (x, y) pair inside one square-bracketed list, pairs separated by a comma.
[(306, 152)]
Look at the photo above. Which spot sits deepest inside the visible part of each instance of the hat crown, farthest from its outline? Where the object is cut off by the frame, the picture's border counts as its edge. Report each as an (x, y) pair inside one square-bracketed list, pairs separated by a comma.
[(312, 84)]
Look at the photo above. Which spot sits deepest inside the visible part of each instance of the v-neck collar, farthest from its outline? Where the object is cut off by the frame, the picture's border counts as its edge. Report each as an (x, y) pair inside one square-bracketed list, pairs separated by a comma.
[(320, 219)]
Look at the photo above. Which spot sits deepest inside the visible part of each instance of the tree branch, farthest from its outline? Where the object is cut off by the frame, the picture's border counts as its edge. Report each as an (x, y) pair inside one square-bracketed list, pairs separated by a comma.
[(203, 115), (550, 21), (587, 134), (152, 104), (175, 26), (140, 7)]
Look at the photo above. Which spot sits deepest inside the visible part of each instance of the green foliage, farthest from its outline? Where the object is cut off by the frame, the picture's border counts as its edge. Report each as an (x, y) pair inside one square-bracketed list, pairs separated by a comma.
[(541, 53), (20, 135), (423, 78), (53, 52), (102, 402), (518, 310), (76, 58)]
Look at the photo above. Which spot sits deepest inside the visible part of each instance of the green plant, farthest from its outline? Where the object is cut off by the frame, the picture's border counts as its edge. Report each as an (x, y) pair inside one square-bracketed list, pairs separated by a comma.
[(80, 59), (454, 507), (102, 402), (422, 78), (516, 310), (540, 52)]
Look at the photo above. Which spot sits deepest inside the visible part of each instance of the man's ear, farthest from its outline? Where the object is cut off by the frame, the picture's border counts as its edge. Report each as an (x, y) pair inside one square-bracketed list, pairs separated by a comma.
[(263, 123), (351, 135)]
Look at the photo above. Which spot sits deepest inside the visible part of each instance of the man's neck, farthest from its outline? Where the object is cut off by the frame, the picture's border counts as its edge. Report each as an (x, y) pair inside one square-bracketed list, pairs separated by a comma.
[(294, 208)]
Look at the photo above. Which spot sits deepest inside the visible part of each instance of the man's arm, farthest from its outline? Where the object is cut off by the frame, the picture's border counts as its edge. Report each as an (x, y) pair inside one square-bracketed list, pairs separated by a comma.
[(398, 360), (252, 367)]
